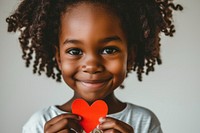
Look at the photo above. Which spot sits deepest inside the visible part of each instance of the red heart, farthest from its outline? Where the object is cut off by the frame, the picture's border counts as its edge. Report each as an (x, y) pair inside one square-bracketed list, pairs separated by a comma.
[(90, 114)]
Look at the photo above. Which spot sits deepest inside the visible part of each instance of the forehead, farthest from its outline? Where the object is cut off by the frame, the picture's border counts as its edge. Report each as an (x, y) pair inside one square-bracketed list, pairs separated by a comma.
[(88, 7), (89, 18)]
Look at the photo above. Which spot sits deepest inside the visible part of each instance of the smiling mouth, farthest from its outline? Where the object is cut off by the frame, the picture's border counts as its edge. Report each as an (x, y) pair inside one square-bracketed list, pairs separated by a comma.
[(93, 84)]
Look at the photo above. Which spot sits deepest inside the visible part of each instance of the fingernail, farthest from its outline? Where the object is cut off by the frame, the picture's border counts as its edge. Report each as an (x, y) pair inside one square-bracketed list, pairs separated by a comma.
[(101, 119), (79, 117), (97, 126)]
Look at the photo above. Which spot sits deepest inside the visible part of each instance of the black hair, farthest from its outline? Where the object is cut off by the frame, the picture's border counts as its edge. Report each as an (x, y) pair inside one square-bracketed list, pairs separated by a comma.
[(38, 22)]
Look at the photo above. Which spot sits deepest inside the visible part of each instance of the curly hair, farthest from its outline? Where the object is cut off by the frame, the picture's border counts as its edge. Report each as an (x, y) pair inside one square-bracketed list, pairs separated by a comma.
[(38, 22)]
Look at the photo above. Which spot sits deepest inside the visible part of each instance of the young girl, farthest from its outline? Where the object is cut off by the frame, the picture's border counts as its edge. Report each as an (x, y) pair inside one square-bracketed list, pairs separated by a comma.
[(93, 45)]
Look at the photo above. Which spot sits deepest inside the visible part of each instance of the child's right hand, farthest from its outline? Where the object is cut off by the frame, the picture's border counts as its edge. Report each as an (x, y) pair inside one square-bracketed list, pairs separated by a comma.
[(63, 123)]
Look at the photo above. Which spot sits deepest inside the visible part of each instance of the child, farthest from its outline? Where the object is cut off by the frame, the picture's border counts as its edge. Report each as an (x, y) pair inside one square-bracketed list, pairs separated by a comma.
[(93, 45)]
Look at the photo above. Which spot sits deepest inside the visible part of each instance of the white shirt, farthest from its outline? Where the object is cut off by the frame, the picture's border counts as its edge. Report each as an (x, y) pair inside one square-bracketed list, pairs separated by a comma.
[(141, 119)]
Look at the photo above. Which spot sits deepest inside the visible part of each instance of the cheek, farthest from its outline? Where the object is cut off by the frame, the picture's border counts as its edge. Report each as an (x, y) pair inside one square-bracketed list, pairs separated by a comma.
[(67, 69), (118, 68)]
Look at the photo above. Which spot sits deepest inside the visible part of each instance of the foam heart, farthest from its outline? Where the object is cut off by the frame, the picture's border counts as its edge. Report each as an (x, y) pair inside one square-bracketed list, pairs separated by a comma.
[(90, 114)]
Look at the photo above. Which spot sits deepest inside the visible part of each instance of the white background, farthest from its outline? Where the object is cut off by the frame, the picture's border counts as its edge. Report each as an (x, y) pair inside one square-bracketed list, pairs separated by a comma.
[(172, 92)]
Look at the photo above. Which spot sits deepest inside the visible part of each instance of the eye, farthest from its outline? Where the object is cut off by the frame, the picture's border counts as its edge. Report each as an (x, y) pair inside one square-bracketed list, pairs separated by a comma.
[(75, 51), (109, 50)]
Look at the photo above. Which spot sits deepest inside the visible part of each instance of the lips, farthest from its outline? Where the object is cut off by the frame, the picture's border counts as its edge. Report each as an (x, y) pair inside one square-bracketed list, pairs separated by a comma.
[(90, 82), (93, 84)]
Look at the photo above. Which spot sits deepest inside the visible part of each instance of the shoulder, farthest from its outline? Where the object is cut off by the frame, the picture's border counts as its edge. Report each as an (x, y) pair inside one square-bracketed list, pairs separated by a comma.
[(144, 117), (135, 111), (140, 111), (36, 122), (141, 118)]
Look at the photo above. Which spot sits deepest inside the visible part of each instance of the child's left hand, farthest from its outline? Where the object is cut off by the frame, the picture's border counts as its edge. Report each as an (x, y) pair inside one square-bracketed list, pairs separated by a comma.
[(111, 125)]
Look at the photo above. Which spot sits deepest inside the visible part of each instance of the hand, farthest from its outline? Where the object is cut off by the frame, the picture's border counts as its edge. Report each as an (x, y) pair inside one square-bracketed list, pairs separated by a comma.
[(111, 125), (64, 123)]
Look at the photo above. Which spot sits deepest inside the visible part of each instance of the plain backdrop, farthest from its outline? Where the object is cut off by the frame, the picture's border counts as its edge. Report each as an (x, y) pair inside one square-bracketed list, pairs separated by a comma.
[(172, 92)]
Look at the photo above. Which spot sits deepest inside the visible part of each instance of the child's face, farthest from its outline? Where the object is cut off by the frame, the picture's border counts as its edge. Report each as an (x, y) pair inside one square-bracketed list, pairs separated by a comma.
[(93, 51)]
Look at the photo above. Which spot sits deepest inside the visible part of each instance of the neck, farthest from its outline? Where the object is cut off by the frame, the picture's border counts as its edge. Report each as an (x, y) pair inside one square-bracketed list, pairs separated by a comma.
[(114, 105)]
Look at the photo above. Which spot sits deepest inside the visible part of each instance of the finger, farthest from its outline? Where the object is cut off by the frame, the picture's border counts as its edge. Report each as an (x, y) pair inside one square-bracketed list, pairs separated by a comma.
[(66, 125), (64, 131), (60, 117), (109, 123)]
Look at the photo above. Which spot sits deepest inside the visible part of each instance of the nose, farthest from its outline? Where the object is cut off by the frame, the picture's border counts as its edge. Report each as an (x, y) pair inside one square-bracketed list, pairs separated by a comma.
[(92, 64)]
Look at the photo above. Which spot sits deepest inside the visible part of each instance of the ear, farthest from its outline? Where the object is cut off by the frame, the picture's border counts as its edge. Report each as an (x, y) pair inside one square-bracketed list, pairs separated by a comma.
[(57, 55)]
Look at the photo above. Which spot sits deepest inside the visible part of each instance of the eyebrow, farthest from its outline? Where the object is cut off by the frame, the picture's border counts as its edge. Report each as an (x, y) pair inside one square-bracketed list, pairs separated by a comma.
[(73, 41), (104, 40), (111, 38)]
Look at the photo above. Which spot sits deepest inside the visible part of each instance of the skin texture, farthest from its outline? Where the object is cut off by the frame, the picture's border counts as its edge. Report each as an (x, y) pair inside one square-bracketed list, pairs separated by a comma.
[(92, 57)]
